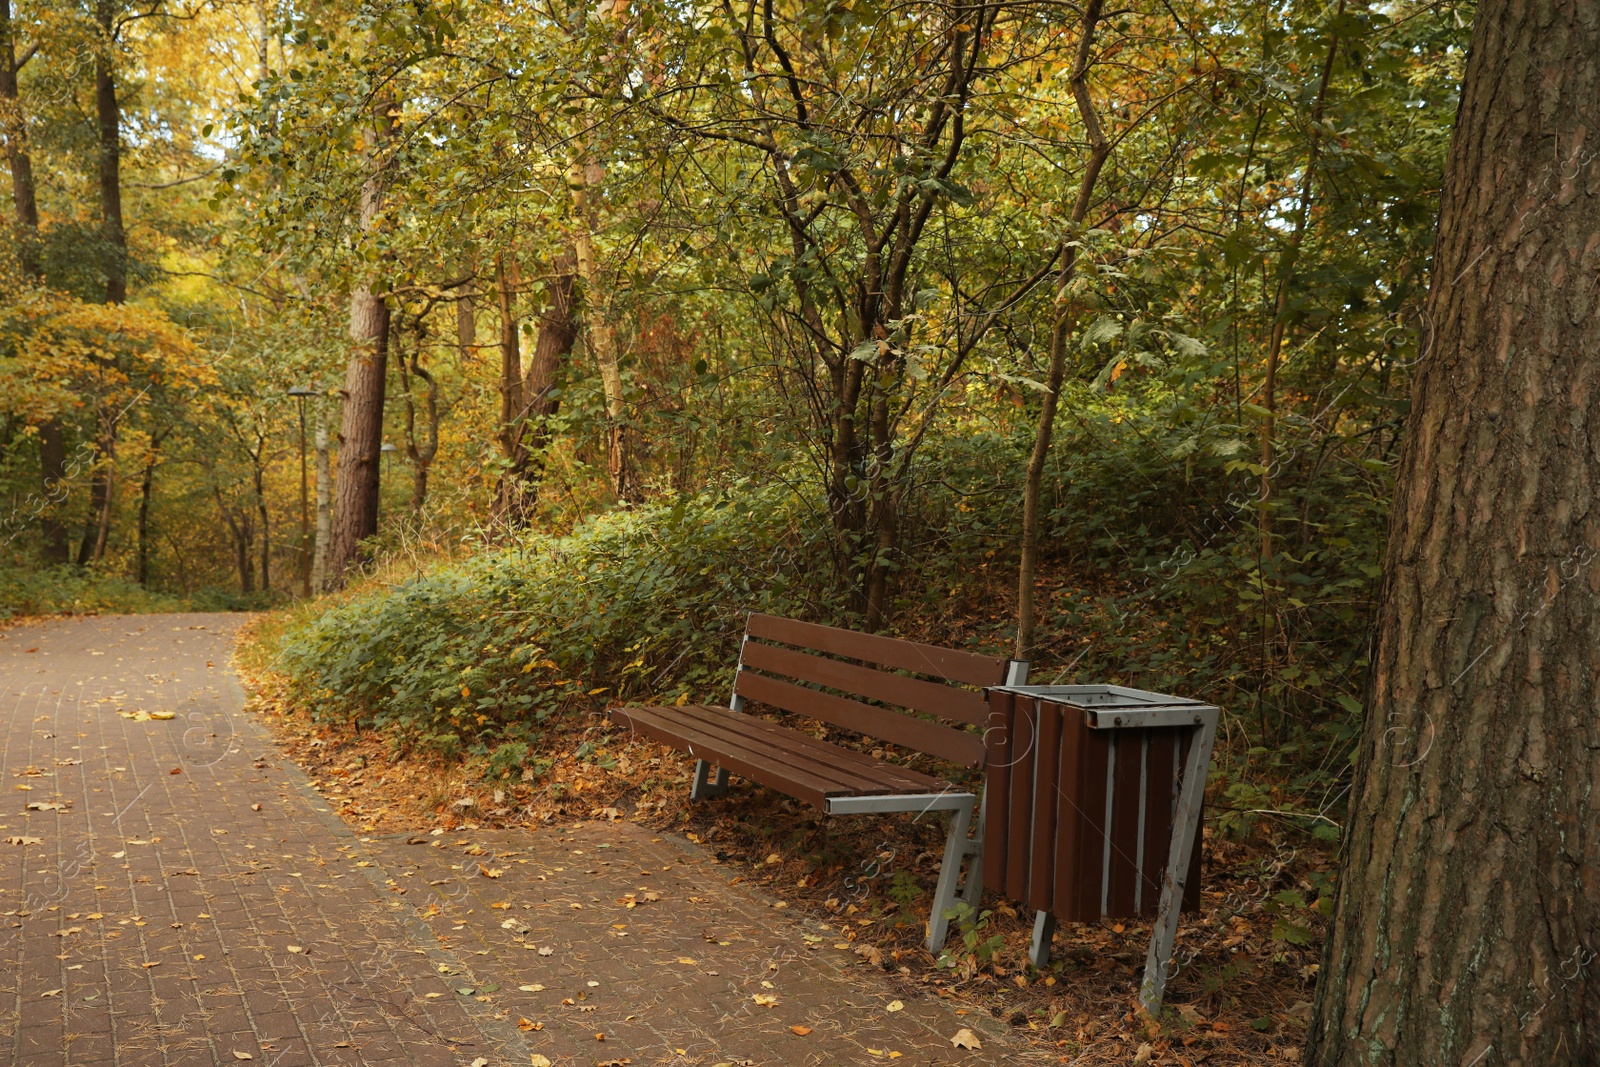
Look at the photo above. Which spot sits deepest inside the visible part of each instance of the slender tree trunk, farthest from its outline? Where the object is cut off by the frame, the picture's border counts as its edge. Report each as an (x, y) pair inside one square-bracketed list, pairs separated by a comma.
[(319, 554), (508, 489), (146, 484), (258, 477), (1467, 921), (582, 179), (24, 201), (1286, 265), (109, 125), (52, 469), (419, 452), (1060, 332), (14, 125), (552, 347)]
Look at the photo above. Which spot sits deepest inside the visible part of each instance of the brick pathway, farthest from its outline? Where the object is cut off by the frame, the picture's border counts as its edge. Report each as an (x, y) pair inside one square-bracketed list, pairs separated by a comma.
[(175, 893)]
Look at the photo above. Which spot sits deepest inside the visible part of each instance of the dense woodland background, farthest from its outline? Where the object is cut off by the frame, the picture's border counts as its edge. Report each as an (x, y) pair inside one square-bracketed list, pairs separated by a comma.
[(613, 322)]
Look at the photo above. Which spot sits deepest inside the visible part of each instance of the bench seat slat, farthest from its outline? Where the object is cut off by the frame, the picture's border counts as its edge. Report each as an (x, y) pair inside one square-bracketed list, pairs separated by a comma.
[(870, 774), (892, 726), (770, 741), (773, 755), (954, 664), (935, 698)]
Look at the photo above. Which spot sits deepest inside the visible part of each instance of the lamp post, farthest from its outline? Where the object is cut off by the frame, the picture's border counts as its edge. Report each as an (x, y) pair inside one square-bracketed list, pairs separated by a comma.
[(300, 393)]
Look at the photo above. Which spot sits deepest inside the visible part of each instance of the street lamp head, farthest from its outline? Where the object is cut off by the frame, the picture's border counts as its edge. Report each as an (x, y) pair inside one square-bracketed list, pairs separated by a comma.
[(302, 391), (387, 447)]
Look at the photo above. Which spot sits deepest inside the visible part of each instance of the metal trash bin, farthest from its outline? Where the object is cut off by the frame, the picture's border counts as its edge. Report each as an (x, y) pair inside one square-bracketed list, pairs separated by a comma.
[(1092, 808)]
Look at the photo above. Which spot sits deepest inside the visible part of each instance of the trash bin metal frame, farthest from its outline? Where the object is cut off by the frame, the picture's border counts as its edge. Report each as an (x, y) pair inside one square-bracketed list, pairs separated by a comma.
[(1051, 744)]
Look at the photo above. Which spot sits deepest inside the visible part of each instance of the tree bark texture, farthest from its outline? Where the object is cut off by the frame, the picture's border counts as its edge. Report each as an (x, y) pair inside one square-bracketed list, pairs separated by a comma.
[(1467, 921), (355, 504)]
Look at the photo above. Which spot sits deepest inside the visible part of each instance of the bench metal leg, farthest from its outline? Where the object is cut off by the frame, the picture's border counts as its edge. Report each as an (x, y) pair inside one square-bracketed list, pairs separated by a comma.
[(956, 848), (704, 788), (1184, 821), (972, 888), (1044, 929)]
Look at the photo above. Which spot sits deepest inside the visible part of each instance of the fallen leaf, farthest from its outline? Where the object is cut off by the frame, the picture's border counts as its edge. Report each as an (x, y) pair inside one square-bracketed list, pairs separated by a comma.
[(164, 715), (255, 807), (546, 950), (801, 1030), (294, 948), (51, 993), (176, 770), (490, 872), (525, 1024), (1143, 1054), (24, 841), (236, 1053), (46, 805), (966, 1039), (534, 988), (68, 931), (153, 963), (480, 1062), (894, 1005), (539, 1061), (766, 1000)]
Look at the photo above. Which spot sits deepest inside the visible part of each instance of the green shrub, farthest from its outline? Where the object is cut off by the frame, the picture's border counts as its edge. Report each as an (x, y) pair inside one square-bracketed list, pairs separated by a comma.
[(75, 590), (639, 604)]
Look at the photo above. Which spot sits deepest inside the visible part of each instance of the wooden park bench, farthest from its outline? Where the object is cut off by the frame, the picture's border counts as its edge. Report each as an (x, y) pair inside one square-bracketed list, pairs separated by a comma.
[(899, 692)]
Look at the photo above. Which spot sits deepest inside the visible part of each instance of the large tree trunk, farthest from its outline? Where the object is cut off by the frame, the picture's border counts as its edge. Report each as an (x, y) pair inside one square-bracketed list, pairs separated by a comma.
[(355, 505), (1468, 913)]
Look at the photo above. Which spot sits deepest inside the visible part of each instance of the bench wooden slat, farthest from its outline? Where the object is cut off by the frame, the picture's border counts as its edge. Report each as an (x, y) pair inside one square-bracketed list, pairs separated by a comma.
[(871, 774), (934, 698), (892, 726), (968, 667), (800, 785), (861, 773), (773, 755)]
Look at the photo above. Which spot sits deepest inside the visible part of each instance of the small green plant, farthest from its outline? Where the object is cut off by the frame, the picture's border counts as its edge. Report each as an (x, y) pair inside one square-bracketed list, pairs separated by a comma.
[(976, 950), (904, 889)]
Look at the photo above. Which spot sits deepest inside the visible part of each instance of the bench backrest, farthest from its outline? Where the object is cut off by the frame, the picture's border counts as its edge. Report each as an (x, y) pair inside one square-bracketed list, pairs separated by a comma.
[(791, 666)]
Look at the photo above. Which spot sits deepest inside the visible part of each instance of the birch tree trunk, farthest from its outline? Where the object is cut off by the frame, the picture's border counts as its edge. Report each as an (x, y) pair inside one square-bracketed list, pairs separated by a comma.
[(582, 178), (1467, 920)]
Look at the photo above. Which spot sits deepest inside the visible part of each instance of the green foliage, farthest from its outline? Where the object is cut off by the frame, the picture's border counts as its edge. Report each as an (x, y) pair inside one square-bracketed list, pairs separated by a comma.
[(646, 604), (76, 591)]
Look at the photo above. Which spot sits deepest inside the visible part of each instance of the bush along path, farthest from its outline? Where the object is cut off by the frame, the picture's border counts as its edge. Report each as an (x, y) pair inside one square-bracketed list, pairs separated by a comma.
[(182, 895)]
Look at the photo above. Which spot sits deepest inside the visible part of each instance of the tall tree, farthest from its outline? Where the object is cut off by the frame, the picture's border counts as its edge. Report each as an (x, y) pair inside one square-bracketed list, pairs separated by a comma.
[(25, 203), (1467, 920), (355, 504)]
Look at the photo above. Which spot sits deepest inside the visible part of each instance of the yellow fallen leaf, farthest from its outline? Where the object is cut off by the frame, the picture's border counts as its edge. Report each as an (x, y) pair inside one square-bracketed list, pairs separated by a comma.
[(24, 841), (236, 1053), (534, 988), (501, 905), (766, 1000), (490, 872), (538, 1060), (894, 1005), (51, 993), (966, 1039), (169, 715), (687, 962)]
